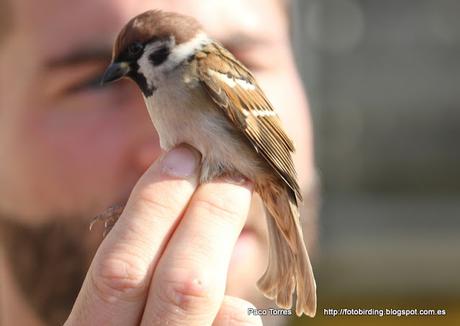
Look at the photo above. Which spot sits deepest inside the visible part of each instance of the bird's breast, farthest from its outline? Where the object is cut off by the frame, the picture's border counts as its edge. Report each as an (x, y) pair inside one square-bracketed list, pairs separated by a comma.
[(184, 114), (179, 116)]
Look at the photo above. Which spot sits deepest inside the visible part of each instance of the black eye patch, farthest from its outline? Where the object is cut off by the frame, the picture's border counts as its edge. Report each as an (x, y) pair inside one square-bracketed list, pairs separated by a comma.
[(135, 49), (159, 56)]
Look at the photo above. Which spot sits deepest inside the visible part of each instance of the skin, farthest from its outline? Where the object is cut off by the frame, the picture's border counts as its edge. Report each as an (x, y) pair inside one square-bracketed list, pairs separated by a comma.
[(69, 149)]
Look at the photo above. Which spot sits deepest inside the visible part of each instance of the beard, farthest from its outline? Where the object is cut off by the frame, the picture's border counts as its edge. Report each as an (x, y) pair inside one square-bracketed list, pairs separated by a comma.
[(49, 262)]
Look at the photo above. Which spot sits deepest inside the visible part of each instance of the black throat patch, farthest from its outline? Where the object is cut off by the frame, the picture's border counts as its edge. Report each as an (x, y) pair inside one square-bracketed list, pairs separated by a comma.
[(140, 80)]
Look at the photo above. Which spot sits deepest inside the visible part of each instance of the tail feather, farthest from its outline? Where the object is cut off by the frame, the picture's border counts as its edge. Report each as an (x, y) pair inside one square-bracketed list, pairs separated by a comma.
[(289, 266), (278, 282)]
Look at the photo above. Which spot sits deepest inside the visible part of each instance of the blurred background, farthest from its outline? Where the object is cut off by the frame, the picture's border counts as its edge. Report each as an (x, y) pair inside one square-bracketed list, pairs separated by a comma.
[(383, 79)]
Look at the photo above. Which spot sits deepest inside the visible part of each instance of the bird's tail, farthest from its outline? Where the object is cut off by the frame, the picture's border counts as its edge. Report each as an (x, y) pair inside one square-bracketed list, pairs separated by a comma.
[(289, 266)]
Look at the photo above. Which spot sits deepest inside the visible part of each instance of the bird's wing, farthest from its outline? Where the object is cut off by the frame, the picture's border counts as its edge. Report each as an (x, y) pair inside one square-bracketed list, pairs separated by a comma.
[(236, 93)]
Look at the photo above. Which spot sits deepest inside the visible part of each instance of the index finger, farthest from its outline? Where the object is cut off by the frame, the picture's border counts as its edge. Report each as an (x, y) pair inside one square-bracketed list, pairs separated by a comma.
[(188, 285), (115, 288)]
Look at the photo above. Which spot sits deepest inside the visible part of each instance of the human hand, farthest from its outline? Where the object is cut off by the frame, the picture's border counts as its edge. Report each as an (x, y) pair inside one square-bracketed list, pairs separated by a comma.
[(165, 261)]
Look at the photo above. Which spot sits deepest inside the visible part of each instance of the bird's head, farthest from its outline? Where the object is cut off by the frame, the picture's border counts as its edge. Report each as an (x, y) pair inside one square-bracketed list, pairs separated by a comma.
[(151, 45)]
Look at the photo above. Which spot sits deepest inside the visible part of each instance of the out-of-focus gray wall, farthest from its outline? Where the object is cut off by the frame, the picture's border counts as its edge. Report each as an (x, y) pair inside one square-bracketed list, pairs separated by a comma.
[(383, 80)]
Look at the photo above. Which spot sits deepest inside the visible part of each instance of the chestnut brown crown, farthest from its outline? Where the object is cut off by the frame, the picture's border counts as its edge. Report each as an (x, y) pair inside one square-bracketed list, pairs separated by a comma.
[(152, 25)]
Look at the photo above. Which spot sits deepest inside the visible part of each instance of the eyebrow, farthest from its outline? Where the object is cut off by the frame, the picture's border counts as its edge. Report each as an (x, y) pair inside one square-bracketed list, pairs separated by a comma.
[(243, 40), (80, 56), (238, 39)]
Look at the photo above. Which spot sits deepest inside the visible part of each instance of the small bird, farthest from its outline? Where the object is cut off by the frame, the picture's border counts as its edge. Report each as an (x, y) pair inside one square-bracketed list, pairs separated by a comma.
[(198, 93)]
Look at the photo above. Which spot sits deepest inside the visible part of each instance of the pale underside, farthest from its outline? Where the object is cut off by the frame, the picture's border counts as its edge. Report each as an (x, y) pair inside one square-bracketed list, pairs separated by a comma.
[(184, 113)]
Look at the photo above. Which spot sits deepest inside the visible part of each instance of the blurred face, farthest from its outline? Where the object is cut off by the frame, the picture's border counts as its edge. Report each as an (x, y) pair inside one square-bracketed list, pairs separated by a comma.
[(70, 148)]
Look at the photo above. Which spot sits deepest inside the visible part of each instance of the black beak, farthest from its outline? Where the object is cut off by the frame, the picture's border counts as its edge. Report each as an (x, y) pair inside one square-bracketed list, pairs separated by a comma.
[(114, 72)]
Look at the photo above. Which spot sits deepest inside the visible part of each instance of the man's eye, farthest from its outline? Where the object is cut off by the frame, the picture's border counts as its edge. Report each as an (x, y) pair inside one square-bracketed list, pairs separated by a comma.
[(70, 79), (92, 83), (249, 57)]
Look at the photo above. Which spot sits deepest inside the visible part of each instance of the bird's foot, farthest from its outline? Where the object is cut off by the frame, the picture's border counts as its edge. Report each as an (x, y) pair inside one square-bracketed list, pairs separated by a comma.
[(109, 217), (235, 178)]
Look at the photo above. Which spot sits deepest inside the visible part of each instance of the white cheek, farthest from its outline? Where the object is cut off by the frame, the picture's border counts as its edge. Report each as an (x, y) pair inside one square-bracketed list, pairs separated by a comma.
[(147, 69), (154, 74)]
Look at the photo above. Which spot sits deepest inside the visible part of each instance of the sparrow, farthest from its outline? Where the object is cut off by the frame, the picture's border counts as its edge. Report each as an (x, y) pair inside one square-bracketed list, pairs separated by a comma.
[(198, 93)]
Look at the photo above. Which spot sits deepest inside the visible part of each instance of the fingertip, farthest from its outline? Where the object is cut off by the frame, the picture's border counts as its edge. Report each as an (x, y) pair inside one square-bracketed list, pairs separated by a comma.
[(237, 312), (182, 161), (179, 164)]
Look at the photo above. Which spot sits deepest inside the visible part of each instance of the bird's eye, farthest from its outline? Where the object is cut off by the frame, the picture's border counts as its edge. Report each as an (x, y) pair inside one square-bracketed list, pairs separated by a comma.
[(134, 49)]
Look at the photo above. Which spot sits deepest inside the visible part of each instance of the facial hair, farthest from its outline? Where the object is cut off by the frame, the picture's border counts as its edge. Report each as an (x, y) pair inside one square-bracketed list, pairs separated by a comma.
[(48, 262)]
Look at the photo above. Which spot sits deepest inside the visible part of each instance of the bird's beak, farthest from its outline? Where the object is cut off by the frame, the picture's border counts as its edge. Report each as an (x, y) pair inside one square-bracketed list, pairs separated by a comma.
[(114, 72)]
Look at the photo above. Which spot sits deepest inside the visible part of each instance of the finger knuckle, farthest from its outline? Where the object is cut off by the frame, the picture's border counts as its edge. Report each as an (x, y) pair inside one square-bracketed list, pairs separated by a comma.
[(185, 296), (219, 207), (147, 200), (120, 278)]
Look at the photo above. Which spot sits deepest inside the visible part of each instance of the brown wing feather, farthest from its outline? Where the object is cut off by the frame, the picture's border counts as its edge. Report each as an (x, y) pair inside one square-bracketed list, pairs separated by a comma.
[(236, 92)]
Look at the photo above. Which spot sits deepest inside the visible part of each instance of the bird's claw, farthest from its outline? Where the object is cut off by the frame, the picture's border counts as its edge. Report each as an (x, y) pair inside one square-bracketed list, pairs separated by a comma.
[(109, 217)]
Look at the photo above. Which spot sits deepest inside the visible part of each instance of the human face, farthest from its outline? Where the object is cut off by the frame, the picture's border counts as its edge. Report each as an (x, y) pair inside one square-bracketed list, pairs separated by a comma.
[(70, 148)]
